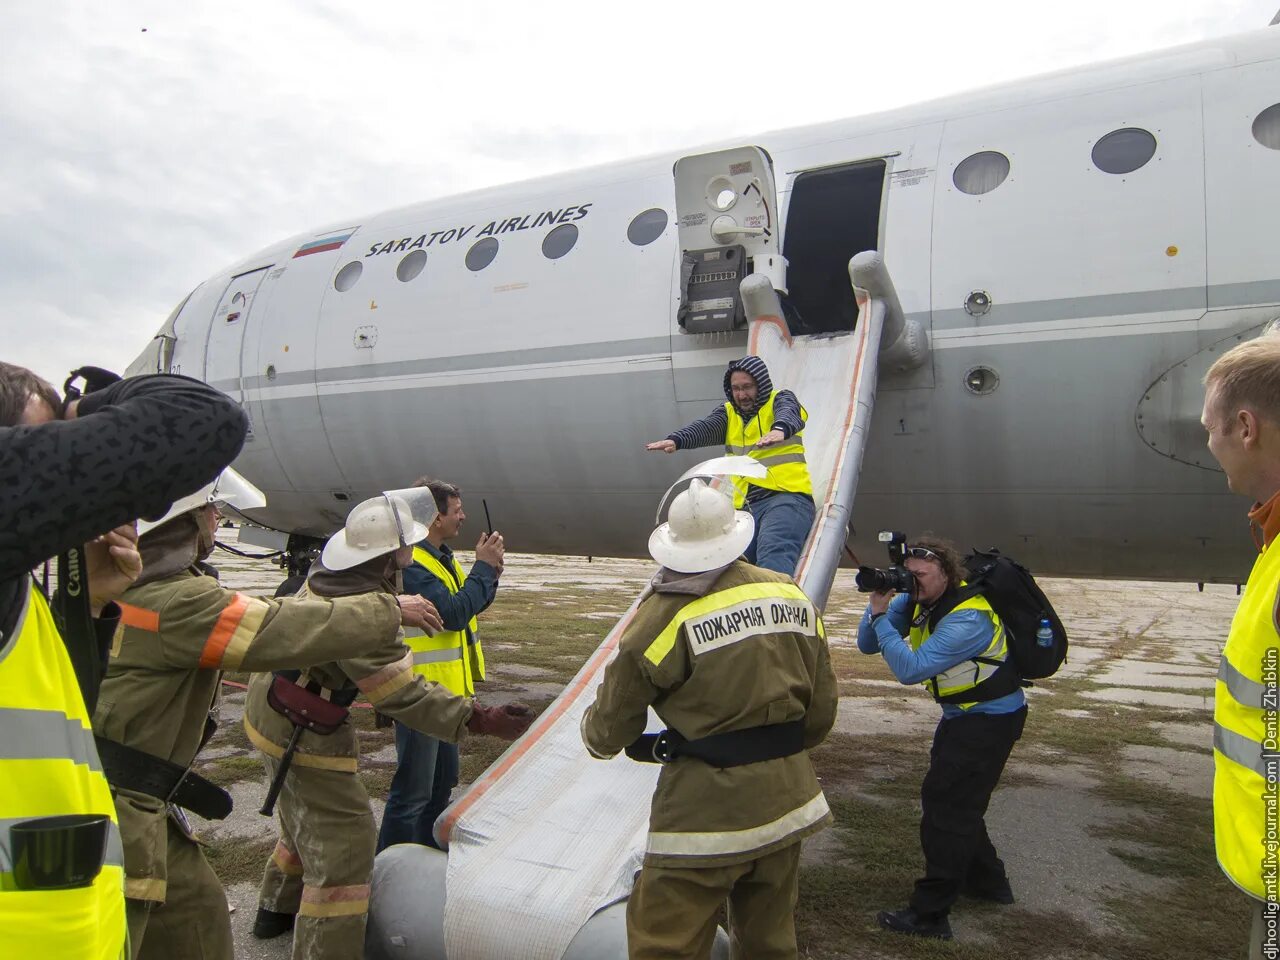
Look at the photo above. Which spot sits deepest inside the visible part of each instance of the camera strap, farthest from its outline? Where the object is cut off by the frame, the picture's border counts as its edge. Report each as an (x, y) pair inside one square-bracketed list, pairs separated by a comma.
[(74, 618)]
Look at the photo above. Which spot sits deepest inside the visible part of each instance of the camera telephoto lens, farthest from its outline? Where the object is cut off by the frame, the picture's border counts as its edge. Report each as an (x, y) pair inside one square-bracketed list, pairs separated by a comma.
[(875, 580)]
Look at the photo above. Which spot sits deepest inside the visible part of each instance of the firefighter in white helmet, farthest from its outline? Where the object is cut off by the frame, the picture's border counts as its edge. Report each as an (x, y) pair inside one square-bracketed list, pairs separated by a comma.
[(179, 630), (733, 659), (317, 878)]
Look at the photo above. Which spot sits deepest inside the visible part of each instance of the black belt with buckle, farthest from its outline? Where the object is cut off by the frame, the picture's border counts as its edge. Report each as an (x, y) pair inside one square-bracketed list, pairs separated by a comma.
[(736, 748), (137, 770)]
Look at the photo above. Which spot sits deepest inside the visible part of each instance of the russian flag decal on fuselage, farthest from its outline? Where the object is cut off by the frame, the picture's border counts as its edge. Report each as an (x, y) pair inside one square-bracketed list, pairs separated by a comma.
[(330, 241)]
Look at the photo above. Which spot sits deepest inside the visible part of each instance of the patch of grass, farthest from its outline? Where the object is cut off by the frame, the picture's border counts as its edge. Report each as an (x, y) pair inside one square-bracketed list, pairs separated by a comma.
[(1170, 835), (478, 754), (228, 770), (236, 860), (554, 636), (376, 778), (231, 734)]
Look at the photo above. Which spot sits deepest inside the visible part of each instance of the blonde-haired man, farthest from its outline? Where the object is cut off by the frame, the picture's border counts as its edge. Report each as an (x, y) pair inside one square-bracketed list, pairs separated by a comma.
[(1242, 417)]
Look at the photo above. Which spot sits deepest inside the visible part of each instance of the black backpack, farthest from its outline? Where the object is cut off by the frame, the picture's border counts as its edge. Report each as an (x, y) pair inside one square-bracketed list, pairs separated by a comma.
[(1020, 604)]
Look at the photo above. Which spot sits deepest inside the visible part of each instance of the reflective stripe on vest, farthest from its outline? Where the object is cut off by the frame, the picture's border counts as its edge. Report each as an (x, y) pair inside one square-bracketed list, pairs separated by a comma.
[(1245, 732), (452, 658), (788, 471), (49, 767), (727, 616), (966, 674)]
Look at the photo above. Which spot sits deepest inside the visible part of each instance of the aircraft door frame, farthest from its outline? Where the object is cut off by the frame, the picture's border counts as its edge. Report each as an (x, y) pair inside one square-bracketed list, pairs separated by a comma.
[(819, 321), (224, 345)]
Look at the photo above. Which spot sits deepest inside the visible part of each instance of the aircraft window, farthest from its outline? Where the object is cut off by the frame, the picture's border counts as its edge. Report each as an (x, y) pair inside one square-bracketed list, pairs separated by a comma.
[(1124, 150), (721, 194), (411, 265), (1266, 127), (482, 253), (559, 241), (981, 172), (347, 276), (647, 227)]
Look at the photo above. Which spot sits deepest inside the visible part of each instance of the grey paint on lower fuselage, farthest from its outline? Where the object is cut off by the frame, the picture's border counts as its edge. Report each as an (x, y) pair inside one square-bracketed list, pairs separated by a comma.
[(1067, 488)]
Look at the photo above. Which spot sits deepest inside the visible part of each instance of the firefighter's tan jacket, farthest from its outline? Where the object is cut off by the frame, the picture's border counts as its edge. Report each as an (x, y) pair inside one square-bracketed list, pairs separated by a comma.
[(176, 636), (730, 650), (384, 675)]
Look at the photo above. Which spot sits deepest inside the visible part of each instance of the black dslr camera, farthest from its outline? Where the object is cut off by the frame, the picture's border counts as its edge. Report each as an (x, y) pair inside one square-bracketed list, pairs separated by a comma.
[(896, 576)]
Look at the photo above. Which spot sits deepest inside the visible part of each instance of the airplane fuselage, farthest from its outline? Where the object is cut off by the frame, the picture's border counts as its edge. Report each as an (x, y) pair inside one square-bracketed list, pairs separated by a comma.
[(523, 343)]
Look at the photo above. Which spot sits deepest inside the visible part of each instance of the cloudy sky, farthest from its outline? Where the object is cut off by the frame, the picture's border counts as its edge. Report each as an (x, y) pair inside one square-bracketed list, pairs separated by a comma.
[(145, 145)]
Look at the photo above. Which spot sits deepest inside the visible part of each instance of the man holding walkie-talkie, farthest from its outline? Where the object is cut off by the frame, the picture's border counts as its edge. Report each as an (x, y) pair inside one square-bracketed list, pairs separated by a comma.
[(427, 768)]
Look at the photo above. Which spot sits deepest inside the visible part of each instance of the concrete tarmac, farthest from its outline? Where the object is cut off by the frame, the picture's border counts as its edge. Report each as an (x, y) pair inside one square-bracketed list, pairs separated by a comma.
[(1140, 646)]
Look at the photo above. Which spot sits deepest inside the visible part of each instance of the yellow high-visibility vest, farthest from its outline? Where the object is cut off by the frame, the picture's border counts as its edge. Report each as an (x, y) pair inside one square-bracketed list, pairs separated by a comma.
[(966, 674), (452, 658), (788, 471), (49, 767), (1245, 718)]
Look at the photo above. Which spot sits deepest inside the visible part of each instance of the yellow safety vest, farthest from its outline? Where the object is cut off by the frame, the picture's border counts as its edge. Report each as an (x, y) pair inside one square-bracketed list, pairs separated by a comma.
[(452, 658), (49, 767), (1245, 719), (788, 471), (966, 674)]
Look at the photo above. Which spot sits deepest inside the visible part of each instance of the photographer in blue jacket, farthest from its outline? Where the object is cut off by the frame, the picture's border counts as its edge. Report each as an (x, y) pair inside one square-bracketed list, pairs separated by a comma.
[(930, 630)]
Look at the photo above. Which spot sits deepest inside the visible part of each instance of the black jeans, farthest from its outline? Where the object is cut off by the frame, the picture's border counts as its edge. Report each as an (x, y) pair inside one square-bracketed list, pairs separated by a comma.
[(965, 764)]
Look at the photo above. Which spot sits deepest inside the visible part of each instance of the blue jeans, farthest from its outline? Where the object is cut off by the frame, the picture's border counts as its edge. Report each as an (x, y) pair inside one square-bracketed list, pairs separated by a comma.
[(426, 773), (783, 522)]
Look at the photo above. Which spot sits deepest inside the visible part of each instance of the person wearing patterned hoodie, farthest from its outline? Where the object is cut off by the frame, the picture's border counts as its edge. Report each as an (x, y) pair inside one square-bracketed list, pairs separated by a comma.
[(768, 426)]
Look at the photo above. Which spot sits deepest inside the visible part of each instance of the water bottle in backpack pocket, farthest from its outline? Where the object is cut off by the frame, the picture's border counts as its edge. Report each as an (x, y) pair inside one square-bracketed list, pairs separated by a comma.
[(1036, 637)]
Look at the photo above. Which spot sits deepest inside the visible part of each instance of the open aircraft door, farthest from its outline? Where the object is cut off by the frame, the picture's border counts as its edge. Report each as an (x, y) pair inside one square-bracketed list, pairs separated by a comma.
[(727, 216)]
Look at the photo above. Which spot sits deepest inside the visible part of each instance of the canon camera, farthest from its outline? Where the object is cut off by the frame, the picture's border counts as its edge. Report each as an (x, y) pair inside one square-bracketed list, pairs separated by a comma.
[(895, 576)]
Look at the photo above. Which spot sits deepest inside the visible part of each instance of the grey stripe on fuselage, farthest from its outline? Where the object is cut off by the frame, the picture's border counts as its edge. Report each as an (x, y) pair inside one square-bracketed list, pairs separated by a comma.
[(1254, 293)]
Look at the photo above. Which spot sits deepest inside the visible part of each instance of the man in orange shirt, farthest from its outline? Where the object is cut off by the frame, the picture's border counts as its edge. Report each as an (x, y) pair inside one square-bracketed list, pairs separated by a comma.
[(1242, 416)]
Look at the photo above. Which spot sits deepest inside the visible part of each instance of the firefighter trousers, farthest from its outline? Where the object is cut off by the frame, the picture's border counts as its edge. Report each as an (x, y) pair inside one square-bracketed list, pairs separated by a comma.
[(193, 920), (323, 862), (672, 911)]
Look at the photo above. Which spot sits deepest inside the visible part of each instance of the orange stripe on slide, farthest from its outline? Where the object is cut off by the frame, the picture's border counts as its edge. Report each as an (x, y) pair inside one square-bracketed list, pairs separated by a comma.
[(222, 632), (540, 727), (132, 616), (753, 346)]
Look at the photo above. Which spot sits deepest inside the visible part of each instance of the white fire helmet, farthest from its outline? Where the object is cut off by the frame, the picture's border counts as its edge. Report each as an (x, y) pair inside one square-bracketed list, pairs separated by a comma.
[(379, 525), (228, 487), (702, 531)]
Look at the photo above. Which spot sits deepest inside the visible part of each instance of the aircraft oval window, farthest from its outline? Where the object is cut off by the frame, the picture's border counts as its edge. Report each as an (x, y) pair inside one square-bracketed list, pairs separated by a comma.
[(647, 227), (981, 172), (347, 276), (411, 265), (1266, 127), (1124, 150), (721, 194), (482, 253), (559, 241)]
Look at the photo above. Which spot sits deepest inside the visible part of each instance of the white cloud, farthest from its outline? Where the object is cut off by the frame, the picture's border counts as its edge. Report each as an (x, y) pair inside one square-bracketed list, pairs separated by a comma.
[(135, 164)]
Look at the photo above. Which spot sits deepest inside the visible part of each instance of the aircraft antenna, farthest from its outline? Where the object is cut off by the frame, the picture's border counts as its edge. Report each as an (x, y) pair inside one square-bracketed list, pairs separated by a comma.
[(1275, 19)]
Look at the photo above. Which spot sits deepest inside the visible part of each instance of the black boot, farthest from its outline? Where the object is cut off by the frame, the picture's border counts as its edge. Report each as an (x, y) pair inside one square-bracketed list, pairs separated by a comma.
[(907, 920), (269, 924)]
